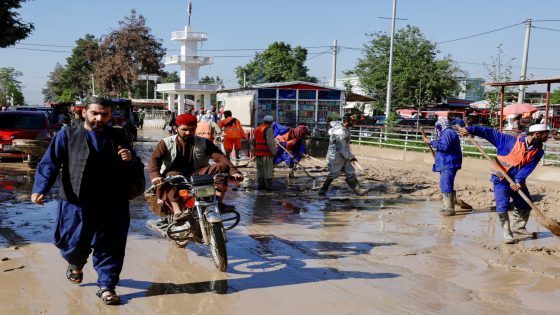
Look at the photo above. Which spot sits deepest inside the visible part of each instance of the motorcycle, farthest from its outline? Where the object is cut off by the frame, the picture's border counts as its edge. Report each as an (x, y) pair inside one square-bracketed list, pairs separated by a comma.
[(204, 222)]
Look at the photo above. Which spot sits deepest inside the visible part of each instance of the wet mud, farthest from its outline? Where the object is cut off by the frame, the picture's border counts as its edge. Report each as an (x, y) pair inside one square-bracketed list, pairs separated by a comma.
[(296, 252)]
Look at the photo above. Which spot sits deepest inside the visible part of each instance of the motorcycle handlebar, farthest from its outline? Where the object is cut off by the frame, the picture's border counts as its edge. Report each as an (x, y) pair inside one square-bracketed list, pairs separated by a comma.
[(185, 180)]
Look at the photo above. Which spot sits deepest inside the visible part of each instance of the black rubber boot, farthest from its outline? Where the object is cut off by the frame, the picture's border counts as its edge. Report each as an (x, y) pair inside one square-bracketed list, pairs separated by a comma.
[(355, 186), (325, 187)]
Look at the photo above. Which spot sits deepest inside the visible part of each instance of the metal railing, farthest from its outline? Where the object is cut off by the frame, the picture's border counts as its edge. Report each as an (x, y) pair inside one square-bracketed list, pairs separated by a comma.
[(198, 60), (182, 35), (189, 87), (411, 140)]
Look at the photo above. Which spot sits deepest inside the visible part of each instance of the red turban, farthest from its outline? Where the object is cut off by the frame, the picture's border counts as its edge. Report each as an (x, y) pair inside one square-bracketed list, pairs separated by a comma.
[(185, 119)]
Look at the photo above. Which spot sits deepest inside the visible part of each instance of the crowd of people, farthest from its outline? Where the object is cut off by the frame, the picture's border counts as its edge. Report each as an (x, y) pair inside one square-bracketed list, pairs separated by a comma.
[(96, 159)]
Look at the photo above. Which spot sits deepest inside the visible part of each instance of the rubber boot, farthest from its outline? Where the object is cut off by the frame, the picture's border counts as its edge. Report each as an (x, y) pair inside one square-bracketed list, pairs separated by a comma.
[(261, 183), (238, 154), (228, 155), (268, 185), (325, 187), (355, 186), (448, 205), (504, 222), (519, 221)]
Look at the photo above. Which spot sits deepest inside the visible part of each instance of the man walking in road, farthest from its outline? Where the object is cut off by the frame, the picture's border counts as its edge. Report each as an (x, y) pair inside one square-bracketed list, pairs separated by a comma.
[(518, 157), (233, 133), (93, 210), (339, 156)]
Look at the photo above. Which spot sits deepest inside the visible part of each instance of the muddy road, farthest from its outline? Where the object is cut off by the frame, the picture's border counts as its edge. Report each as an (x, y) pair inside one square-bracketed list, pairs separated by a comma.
[(294, 252)]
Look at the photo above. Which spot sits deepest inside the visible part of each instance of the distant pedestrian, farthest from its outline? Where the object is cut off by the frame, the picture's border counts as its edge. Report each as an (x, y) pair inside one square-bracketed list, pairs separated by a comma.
[(141, 116), (339, 156), (233, 133), (264, 153)]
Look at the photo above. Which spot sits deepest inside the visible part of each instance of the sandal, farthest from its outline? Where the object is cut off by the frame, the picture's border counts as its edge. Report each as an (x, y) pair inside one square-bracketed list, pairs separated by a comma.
[(109, 299), (75, 274)]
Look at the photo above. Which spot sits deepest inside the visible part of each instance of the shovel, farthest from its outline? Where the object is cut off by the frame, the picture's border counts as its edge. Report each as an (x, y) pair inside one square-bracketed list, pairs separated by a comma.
[(460, 202), (546, 222), (295, 161)]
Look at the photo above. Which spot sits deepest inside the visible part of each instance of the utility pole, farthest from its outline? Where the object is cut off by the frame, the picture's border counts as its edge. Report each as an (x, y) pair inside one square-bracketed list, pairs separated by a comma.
[(390, 75), (92, 84), (244, 80), (523, 77), (147, 85), (335, 49)]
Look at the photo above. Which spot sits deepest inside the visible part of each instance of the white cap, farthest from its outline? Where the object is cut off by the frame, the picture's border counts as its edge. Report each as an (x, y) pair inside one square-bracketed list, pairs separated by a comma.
[(268, 118), (538, 127)]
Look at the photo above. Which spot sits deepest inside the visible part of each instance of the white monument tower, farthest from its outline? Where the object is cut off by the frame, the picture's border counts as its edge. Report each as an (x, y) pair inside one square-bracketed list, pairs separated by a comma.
[(190, 62)]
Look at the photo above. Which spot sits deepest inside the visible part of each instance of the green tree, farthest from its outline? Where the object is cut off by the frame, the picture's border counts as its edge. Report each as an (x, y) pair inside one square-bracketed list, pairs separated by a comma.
[(10, 87), (555, 96), (210, 80), (126, 53), (54, 86), (73, 81), (81, 65), (418, 77), (278, 63), (12, 28)]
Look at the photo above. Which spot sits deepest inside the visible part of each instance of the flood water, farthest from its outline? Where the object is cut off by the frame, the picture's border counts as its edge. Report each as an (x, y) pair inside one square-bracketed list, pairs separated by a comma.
[(293, 252)]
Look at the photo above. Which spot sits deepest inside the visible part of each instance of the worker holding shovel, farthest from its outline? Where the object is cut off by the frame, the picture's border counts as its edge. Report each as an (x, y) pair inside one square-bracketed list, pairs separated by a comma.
[(448, 160), (517, 157)]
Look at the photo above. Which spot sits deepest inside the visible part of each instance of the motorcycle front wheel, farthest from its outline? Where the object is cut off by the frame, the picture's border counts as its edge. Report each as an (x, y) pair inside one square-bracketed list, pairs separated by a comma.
[(218, 246)]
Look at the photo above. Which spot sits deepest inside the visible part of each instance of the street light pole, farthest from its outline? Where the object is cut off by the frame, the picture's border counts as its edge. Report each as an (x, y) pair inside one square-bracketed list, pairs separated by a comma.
[(521, 96), (390, 75)]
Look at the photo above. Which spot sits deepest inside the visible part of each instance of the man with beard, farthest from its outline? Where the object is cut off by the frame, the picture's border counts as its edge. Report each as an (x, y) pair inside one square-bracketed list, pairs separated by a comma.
[(518, 157), (93, 210), (339, 156), (186, 154)]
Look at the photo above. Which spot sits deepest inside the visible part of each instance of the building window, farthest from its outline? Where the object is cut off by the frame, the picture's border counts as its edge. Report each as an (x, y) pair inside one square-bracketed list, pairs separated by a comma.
[(267, 93), (329, 95), (287, 94), (307, 94)]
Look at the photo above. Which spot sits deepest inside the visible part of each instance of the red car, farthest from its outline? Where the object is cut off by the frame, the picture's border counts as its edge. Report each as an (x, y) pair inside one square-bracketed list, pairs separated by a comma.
[(26, 125)]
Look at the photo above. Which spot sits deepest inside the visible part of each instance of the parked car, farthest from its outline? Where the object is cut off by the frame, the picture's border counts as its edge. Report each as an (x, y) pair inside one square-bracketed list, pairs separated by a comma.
[(24, 135)]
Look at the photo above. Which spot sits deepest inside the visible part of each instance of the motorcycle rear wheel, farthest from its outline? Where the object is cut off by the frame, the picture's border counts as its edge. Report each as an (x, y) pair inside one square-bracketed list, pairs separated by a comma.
[(218, 246)]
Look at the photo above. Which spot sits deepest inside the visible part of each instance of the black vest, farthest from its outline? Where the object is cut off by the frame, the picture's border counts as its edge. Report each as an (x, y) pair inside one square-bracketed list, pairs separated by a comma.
[(90, 177)]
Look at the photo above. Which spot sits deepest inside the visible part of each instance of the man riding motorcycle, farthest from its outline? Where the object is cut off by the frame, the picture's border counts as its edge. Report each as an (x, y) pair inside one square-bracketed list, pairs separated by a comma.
[(186, 154)]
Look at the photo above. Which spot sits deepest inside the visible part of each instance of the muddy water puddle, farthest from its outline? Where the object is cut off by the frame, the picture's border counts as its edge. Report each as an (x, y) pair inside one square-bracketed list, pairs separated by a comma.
[(297, 252)]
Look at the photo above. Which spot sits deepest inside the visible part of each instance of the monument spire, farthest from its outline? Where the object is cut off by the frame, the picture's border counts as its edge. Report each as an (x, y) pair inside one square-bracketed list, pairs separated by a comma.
[(189, 10)]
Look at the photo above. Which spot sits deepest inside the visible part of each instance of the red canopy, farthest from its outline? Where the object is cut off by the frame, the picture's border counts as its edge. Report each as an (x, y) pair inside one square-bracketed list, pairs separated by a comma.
[(519, 108)]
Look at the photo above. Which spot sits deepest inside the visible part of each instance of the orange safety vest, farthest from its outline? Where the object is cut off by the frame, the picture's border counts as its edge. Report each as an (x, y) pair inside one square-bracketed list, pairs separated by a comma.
[(518, 157), (284, 138), (261, 146), (233, 131), (203, 130)]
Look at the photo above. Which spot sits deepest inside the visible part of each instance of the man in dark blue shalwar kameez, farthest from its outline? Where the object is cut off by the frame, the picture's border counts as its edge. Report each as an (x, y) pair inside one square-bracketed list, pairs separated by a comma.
[(93, 210)]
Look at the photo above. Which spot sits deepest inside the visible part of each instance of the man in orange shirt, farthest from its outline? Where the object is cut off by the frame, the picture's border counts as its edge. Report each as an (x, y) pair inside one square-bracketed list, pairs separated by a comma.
[(233, 133), (207, 128)]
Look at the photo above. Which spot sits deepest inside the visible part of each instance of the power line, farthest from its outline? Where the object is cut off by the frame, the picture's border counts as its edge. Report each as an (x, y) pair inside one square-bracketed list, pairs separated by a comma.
[(37, 49), (480, 34), (545, 28)]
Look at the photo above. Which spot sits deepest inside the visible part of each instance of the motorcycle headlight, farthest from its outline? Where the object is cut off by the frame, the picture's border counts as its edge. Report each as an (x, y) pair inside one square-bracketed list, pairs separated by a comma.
[(205, 191)]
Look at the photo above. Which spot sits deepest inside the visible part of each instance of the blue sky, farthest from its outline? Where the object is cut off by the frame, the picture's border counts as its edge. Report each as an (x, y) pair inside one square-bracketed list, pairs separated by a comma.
[(254, 24)]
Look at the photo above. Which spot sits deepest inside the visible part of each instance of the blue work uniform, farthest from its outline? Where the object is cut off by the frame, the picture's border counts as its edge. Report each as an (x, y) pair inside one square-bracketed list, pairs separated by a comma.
[(448, 160), (283, 156), (505, 145), (93, 209)]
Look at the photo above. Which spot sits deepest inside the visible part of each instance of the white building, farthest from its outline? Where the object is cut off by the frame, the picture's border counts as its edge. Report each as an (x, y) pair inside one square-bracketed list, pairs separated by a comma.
[(189, 62)]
